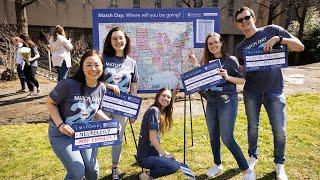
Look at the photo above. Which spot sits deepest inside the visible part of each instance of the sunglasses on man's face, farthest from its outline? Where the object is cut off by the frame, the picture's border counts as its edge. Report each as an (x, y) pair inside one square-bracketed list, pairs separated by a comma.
[(246, 18)]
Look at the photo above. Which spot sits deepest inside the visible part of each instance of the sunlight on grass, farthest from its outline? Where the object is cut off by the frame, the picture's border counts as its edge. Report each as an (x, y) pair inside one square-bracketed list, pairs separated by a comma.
[(26, 154)]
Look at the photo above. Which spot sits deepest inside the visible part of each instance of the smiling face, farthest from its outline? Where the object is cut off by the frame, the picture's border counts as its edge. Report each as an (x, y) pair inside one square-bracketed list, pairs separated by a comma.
[(214, 46), (118, 42), (165, 98), (247, 23), (92, 68)]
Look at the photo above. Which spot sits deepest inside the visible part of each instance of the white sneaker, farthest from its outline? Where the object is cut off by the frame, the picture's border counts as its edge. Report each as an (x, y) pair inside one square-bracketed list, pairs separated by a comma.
[(32, 94), (252, 162), (281, 173), (214, 170), (249, 176)]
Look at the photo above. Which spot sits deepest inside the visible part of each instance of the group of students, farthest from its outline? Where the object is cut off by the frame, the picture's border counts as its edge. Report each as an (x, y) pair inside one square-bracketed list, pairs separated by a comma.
[(116, 71), (26, 68), (60, 48)]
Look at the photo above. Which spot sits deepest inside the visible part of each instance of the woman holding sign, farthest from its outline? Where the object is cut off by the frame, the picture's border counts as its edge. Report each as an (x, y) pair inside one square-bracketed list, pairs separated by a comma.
[(121, 76), (222, 105), (77, 100), (157, 119)]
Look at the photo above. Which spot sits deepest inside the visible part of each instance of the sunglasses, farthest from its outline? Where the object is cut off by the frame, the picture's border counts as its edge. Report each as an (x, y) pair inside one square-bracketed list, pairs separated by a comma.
[(240, 20)]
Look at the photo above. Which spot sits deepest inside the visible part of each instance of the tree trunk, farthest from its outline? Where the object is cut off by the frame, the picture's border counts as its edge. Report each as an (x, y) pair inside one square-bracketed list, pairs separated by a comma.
[(270, 14), (301, 22), (21, 16)]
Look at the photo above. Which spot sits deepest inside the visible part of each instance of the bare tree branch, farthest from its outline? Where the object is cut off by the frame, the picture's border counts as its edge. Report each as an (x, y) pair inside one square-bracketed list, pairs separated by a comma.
[(27, 3)]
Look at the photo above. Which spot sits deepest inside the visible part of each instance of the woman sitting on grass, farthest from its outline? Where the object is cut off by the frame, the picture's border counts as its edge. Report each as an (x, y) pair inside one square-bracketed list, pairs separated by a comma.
[(158, 118), (77, 100)]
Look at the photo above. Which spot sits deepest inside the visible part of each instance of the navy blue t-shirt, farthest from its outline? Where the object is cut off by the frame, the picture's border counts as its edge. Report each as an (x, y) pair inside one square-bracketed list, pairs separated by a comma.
[(262, 81), (73, 106), (150, 121), (231, 64)]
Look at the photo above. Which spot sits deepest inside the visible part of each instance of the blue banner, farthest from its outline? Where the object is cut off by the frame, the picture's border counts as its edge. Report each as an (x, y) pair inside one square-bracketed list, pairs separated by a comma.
[(257, 60), (202, 78), (124, 105), (95, 134), (160, 40)]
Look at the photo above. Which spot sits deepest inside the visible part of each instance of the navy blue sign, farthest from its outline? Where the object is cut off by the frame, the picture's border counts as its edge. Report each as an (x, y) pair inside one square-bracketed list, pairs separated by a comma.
[(95, 134), (202, 78), (124, 104), (258, 60)]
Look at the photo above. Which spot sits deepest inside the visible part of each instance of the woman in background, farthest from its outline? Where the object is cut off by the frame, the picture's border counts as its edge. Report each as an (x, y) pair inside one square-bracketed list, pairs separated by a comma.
[(60, 48), (17, 42), (30, 66)]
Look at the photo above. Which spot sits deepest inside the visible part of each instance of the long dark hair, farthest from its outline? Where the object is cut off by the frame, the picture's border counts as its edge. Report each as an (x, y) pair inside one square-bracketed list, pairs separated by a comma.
[(108, 50), (58, 30), (80, 76), (166, 114), (207, 55), (27, 40)]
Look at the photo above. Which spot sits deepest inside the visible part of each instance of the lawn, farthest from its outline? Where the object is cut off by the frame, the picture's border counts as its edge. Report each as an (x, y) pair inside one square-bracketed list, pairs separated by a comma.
[(26, 154)]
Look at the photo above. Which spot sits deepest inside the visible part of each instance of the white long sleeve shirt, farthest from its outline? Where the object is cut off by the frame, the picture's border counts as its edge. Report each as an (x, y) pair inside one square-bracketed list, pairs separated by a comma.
[(19, 58), (60, 50)]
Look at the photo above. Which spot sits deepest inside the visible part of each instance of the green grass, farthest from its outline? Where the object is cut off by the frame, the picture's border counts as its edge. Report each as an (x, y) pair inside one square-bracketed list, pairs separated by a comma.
[(25, 152)]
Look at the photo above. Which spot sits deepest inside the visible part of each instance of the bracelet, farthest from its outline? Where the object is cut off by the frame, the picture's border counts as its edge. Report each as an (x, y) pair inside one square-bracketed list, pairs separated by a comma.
[(60, 125)]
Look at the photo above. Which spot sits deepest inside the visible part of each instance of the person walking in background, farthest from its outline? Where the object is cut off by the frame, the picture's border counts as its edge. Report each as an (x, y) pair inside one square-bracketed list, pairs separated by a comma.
[(157, 119), (222, 106), (264, 87), (30, 66), (121, 76), (17, 42), (77, 100), (60, 48)]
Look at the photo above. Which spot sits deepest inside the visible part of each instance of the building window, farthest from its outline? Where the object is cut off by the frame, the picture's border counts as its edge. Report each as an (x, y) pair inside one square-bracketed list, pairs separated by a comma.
[(157, 4), (113, 4), (136, 3)]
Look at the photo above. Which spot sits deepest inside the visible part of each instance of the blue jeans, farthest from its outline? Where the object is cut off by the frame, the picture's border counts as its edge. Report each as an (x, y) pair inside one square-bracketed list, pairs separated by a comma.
[(79, 164), (275, 104), (62, 71), (221, 117), (159, 166)]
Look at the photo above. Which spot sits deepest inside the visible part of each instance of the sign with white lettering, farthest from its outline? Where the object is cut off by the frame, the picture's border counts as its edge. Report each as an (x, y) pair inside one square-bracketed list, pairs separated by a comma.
[(258, 60), (124, 105), (202, 78), (95, 134)]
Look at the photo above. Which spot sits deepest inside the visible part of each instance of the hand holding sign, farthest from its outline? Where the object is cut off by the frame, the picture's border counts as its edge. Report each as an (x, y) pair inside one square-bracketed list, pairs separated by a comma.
[(256, 59), (202, 77), (124, 104)]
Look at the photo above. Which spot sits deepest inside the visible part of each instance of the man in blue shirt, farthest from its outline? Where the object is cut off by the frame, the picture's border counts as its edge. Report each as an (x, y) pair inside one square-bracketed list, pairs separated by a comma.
[(264, 87)]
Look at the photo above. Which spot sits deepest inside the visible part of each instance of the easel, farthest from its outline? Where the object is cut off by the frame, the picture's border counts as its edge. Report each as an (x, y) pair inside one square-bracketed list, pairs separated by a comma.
[(185, 122)]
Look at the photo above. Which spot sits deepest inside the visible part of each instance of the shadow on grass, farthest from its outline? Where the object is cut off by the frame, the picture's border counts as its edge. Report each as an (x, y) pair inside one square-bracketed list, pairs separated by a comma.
[(226, 175), (20, 100), (269, 176)]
